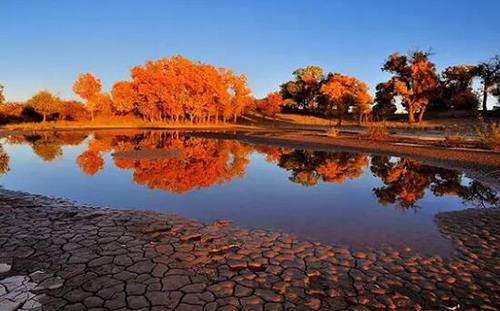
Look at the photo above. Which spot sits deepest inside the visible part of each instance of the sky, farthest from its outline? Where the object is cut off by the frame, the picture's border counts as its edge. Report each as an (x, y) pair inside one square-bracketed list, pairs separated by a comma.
[(46, 44)]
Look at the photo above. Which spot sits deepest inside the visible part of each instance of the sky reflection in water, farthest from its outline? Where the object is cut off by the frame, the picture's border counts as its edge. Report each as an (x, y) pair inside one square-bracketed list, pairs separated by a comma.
[(334, 197)]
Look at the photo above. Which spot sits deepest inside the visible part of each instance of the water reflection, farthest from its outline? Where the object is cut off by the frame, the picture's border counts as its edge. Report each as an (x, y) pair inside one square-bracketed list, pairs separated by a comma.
[(48, 146), (4, 161), (309, 167), (188, 163), (331, 197), (405, 182)]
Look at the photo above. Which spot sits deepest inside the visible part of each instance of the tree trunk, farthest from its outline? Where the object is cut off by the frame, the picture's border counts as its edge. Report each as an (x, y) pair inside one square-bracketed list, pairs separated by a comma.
[(411, 115), (339, 123), (44, 117), (485, 97), (421, 115)]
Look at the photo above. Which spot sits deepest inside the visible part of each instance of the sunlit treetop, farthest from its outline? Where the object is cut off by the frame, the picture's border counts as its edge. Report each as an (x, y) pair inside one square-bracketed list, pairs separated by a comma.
[(87, 86), (309, 74)]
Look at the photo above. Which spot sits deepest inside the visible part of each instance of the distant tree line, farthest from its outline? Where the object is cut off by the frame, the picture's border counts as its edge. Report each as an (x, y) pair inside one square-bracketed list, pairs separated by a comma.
[(414, 83), (176, 89), (169, 89)]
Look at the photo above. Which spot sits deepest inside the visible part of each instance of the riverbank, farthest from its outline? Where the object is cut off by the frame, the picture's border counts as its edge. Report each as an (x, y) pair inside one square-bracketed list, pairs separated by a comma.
[(62, 255)]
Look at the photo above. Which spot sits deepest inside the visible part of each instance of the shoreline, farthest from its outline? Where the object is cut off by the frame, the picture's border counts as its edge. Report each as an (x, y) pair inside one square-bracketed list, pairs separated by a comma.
[(66, 255)]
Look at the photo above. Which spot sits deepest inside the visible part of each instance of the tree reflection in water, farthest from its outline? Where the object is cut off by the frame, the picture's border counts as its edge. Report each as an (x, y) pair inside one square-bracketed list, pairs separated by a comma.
[(48, 146), (405, 182), (309, 167), (197, 162), (200, 163)]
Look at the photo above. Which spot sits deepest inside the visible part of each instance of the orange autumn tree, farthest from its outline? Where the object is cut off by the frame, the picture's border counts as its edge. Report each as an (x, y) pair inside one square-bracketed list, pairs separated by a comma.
[(88, 87), (124, 97), (239, 93), (414, 80), (270, 105), (342, 91), (44, 103), (178, 89), (103, 105)]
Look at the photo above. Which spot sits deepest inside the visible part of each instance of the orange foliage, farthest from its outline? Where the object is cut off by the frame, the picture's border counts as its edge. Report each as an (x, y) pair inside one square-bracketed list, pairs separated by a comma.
[(12, 111), (88, 87), (44, 103), (270, 105), (343, 91), (176, 88), (124, 97), (72, 111), (101, 105), (414, 80)]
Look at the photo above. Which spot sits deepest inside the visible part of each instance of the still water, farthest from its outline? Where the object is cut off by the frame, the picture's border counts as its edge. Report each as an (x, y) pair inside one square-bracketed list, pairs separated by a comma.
[(354, 199)]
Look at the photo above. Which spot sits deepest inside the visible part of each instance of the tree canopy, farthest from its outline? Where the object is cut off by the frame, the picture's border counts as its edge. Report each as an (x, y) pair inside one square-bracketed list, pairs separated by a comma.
[(176, 88), (342, 91), (88, 87), (413, 79), (44, 103), (270, 105), (489, 72)]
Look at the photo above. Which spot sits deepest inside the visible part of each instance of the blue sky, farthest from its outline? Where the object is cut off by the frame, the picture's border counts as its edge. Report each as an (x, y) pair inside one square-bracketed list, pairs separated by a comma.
[(46, 44)]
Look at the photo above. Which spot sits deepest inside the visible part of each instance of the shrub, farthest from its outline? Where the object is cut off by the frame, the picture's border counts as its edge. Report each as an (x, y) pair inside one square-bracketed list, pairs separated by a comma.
[(488, 134), (332, 132), (376, 133)]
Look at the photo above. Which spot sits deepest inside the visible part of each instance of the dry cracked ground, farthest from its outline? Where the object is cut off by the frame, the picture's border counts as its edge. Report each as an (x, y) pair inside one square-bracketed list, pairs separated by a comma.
[(55, 255)]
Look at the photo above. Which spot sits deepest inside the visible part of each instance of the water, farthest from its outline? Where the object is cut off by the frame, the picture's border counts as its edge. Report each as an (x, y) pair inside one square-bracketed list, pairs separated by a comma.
[(353, 199)]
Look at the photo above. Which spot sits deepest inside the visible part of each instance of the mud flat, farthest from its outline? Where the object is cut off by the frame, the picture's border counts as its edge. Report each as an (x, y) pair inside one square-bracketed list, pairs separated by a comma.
[(57, 255)]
